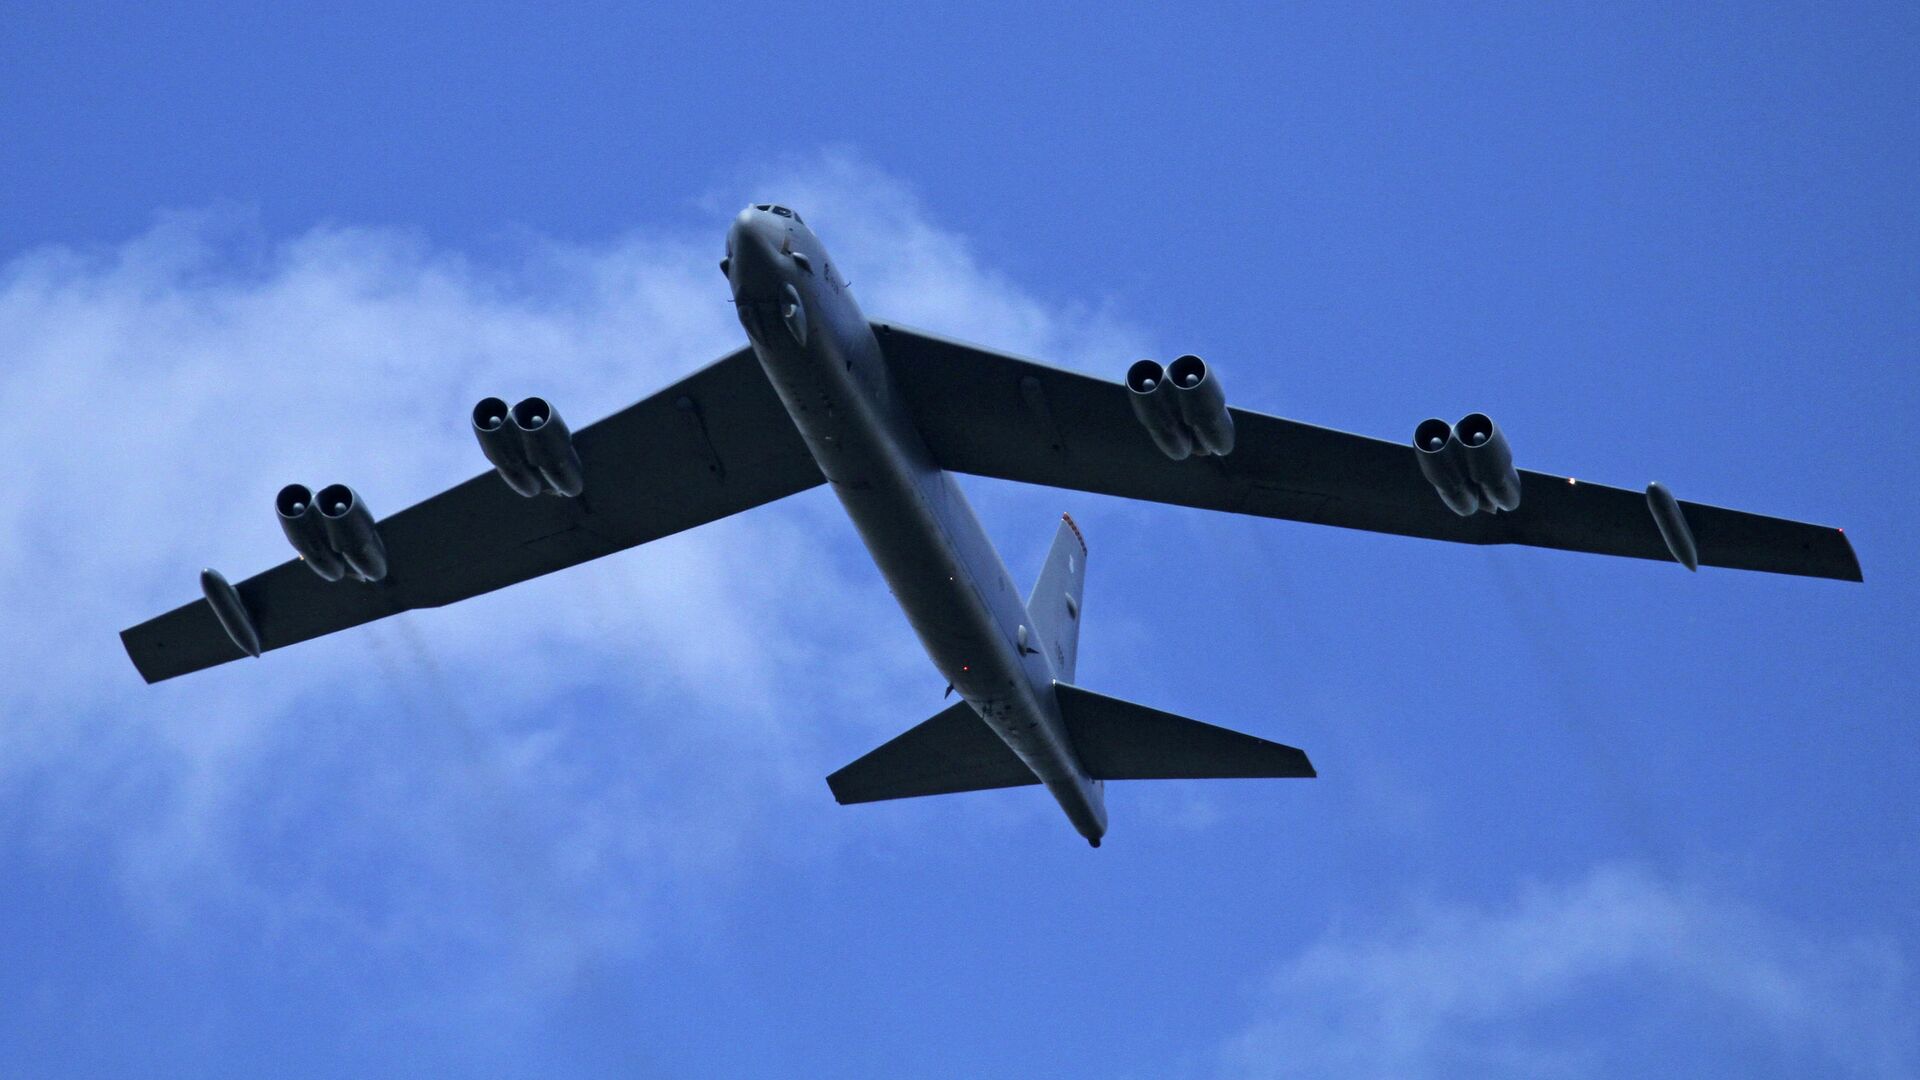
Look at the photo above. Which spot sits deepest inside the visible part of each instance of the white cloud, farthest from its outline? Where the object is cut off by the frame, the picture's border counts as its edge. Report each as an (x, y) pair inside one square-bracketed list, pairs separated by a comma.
[(1612, 974), (527, 773)]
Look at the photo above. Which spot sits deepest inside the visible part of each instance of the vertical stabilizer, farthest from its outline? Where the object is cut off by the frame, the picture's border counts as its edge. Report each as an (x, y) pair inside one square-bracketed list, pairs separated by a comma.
[(1054, 604)]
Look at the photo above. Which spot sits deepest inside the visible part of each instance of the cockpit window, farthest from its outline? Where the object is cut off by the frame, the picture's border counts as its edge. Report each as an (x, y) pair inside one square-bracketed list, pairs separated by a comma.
[(782, 211)]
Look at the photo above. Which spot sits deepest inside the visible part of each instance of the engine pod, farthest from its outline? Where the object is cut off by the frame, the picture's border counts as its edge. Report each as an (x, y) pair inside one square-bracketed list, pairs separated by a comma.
[(504, 447), (1488, 460), (302, 525), (549, 446), (1439, 456), (1153, 406), (1202, 404), (351, 531)]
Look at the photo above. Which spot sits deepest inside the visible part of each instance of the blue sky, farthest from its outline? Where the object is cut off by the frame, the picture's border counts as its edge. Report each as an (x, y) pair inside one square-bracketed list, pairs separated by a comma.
[(1576, 817)]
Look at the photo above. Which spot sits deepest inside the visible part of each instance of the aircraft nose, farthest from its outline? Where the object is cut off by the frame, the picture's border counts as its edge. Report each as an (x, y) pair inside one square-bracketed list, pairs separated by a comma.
[(743, 222), (753, 249)]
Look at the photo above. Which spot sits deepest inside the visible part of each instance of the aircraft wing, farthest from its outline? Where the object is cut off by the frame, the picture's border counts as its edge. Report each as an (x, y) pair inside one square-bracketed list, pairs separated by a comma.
[(714, 444), (992, 414)]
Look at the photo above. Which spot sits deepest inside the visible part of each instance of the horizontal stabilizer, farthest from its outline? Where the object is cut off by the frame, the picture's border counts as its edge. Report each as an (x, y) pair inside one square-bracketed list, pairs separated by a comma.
[(1118, 740), (954, 751)]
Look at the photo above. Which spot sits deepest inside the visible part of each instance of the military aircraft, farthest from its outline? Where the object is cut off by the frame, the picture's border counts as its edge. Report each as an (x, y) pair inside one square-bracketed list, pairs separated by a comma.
[(885, 414)]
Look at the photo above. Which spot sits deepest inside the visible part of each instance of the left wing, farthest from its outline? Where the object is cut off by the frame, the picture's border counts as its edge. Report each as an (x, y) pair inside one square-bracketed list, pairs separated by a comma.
[(991, 414), (713, 444), (951, 752)]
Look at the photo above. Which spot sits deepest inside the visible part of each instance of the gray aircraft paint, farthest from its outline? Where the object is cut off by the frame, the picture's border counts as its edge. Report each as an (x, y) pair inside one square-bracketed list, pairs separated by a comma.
[(886, 413), (821, 355)]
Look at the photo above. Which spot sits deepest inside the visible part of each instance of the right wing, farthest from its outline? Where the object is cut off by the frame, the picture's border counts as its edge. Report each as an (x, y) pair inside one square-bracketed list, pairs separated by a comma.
[(992, 414), (1122, 740), (713, 444)]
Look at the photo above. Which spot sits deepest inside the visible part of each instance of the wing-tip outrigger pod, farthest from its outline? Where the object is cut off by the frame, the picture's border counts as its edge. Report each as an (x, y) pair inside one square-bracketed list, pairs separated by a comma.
[(1672, 523), (230, 611)]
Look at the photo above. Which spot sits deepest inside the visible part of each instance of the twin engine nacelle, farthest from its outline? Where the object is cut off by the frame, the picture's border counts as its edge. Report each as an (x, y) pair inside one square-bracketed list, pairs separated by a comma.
[(332, 531), (1182, 407), (1469, 464), (529, 445)]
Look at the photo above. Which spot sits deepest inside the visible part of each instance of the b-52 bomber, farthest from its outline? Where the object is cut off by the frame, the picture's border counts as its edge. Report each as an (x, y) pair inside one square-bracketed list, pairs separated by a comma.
[(885, 415)]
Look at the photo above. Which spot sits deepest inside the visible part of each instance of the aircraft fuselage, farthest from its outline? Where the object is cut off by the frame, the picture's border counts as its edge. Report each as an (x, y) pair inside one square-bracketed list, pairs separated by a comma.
[(823, 359)]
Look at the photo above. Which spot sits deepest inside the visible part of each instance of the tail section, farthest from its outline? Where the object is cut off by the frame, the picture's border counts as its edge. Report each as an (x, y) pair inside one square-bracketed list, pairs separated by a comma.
[(1119, 740), (1054, 604), (954, 751), (1104, 738), (1114, 739)]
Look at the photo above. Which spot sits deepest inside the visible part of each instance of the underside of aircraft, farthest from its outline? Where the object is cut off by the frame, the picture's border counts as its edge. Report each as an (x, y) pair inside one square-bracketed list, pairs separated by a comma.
[(884, 414)]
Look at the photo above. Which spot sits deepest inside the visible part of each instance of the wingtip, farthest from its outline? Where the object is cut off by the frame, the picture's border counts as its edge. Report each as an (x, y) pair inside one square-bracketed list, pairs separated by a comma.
[(1853, 557), (126, 642), (834, 787)]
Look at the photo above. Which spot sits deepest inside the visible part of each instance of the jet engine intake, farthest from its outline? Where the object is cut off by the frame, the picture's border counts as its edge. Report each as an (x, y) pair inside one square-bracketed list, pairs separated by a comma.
[(501, 442), (1203, 404), (1153, 405), (548, 444), (301, 522), (350, 531), (1469, 464), (1489, 460), (1440, 463), (529, 446)]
